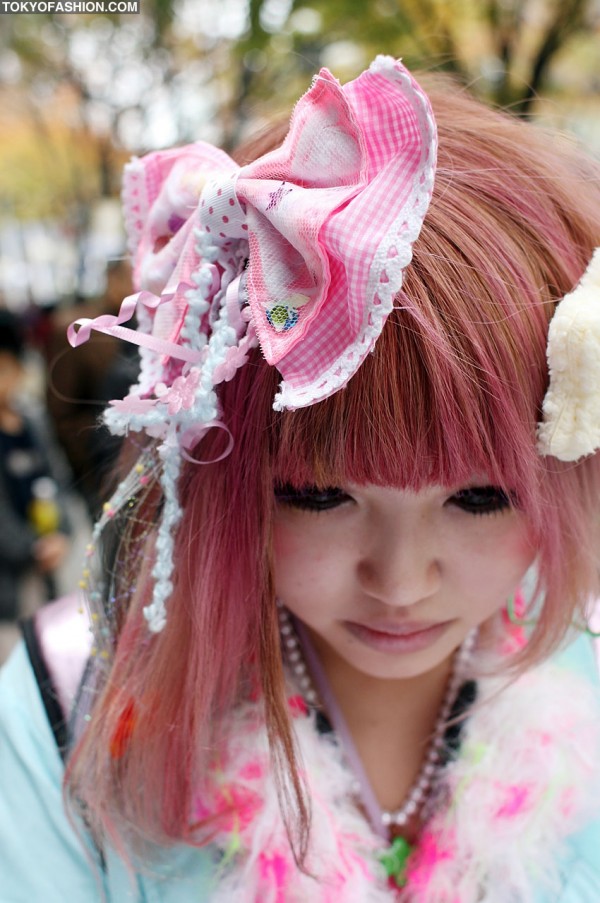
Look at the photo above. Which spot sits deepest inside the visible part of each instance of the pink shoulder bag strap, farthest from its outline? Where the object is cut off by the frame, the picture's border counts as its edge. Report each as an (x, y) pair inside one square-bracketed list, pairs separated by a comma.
[(58, 643)]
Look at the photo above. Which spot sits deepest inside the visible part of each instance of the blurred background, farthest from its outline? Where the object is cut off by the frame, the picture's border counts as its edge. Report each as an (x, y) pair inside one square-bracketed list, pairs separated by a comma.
[(80, 94)]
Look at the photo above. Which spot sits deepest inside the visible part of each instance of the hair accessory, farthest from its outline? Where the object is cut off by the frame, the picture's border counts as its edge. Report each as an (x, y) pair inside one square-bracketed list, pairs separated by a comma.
[(301, 251), (570, 427)]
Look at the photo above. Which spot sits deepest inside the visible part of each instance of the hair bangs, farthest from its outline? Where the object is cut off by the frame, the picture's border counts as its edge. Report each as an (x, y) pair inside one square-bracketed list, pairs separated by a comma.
[(419, 411)]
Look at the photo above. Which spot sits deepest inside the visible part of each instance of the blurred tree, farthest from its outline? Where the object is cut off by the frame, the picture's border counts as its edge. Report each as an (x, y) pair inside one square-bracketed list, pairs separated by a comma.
[(526, 64), (91, 74), (503, 49), (43, 171), (78, 93)]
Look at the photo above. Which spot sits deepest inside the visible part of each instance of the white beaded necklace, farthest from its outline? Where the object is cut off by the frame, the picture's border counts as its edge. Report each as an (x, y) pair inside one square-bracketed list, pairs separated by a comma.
[(431, 762)]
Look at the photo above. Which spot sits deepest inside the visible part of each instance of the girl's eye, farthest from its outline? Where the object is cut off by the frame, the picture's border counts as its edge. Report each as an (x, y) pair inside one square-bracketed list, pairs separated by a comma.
[(310, 498), (481, 500)]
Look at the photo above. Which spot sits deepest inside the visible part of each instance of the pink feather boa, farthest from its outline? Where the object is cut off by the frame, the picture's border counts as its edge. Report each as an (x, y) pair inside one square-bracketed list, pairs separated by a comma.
[(526, 778)]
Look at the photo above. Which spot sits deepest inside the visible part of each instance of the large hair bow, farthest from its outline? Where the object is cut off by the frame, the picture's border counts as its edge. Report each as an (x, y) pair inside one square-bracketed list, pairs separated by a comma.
[(325, 222), (301, 251)]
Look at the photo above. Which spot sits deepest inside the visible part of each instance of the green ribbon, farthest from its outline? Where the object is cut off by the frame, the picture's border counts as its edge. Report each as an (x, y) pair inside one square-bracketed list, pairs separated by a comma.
[(395, 859)]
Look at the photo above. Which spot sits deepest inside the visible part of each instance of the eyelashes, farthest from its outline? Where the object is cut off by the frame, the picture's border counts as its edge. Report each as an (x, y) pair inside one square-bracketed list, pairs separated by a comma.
[(309, 498), (481, 500), (476, 500)]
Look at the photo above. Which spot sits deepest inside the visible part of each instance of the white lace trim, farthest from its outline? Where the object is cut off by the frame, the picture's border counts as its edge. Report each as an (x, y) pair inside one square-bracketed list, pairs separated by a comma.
[(133, 192)]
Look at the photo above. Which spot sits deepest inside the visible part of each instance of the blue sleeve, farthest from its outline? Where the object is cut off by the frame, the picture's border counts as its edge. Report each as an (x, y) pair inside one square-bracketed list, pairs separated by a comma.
[(580, 869), (41, 856), (581, 865)]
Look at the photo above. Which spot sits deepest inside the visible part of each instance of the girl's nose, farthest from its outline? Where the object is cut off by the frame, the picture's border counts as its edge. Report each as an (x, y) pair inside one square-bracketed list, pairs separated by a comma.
[(400, 566)]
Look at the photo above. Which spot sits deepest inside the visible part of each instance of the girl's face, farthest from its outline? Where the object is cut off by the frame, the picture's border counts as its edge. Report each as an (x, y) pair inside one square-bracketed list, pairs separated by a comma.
[(391, 581)]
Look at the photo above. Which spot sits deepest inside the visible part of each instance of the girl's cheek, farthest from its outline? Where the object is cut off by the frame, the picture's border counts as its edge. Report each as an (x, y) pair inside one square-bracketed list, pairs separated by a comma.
[(514, 548), (290, 542), (281, 544), (496, 553), (293, 555), (518, 544)]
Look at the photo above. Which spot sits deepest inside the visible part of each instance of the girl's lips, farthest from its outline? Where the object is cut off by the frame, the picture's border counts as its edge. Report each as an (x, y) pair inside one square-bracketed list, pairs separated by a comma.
[(395, 638)]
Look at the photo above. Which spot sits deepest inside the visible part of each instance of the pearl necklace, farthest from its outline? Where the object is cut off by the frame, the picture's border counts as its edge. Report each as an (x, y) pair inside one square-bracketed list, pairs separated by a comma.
[(432, 760)]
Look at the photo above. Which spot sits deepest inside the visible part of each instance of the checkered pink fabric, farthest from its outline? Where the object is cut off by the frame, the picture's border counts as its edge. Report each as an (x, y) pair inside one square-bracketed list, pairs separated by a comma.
[(329, 219)]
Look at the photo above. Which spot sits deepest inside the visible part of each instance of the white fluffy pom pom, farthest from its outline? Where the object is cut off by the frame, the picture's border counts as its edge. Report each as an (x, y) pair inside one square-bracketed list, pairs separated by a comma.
[(570, 427)]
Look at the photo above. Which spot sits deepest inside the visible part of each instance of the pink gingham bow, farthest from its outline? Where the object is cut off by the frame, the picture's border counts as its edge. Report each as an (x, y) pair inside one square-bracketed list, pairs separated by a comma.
[(324, 225)]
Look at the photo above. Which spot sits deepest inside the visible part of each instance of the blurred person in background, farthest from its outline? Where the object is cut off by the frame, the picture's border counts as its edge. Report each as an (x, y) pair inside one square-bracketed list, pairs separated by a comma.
[(80, 383), (33, 522)]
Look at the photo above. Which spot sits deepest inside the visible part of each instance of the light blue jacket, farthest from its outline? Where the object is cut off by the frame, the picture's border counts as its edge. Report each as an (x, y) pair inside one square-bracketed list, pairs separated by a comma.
[(43, 861)]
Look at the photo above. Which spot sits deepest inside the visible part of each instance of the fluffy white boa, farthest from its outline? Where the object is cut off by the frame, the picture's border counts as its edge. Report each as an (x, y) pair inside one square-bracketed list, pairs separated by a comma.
[(527, 776)]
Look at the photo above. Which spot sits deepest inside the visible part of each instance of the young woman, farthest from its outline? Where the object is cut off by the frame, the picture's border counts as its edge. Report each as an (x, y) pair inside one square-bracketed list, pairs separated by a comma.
[(326, 613)]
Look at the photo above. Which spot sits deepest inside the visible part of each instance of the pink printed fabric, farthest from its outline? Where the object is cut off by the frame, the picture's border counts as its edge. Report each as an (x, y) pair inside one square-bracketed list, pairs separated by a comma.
[(329, 219)]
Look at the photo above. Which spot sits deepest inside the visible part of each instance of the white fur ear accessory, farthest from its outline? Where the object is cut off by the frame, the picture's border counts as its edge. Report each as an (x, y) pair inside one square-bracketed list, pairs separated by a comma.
[(570, 427)]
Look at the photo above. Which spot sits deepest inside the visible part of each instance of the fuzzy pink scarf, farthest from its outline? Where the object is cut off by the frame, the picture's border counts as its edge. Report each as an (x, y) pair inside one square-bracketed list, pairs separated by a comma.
[(526, 778)]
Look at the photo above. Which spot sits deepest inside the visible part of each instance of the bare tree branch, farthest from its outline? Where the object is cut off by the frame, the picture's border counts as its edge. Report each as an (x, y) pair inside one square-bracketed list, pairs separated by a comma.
[(569, 19)]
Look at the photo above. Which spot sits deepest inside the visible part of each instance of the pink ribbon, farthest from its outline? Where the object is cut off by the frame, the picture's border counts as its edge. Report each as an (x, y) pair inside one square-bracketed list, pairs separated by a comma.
[(329, 218), (192, 436), (111, 325)]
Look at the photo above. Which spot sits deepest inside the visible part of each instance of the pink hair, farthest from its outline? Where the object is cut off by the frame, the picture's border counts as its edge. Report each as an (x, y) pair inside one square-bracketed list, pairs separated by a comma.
[(454, 386)]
